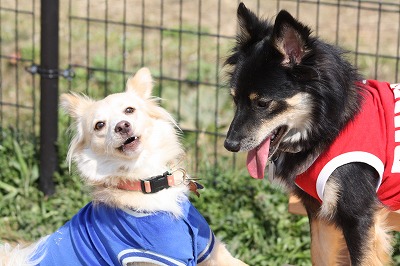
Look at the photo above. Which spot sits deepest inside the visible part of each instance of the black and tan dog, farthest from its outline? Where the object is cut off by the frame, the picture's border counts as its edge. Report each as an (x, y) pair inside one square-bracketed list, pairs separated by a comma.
[(329, 136)]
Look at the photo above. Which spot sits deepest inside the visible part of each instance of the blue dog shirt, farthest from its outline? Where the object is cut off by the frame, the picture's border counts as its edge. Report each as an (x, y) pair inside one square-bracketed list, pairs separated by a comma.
[(102, 235)]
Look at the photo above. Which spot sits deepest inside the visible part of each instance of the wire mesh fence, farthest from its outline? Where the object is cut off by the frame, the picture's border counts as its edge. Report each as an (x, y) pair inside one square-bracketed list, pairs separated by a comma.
[(18, 48), (184, 43)]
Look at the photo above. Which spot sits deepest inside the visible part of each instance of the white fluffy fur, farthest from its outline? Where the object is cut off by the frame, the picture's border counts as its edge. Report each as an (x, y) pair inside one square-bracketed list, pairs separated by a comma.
[(14, 256), (102, 165)]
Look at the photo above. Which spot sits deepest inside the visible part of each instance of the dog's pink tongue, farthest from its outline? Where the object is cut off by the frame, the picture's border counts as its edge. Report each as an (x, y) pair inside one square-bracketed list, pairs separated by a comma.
[(257, 159)]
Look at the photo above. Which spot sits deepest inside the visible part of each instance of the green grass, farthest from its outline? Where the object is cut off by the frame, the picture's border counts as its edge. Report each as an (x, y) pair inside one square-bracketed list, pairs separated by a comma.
[(25, 214), (251, 216)]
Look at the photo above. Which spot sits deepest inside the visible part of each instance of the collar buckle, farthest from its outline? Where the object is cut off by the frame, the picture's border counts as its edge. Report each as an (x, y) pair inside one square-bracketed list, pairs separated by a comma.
[(157, 183)]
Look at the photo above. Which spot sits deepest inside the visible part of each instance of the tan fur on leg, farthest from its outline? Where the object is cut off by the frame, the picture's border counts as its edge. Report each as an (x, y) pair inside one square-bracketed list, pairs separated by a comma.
[(221, 256), (380, 247), (329, 202), (327, 245)]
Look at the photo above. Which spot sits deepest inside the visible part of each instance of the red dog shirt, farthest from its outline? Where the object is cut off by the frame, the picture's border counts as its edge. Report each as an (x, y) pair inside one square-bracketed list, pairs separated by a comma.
[(372, 137)]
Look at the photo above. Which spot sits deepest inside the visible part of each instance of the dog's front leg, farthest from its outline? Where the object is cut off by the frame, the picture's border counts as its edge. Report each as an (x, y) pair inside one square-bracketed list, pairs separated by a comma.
[(328, 247), (369, 245), (220, 256), (360, 215), (327, 244)]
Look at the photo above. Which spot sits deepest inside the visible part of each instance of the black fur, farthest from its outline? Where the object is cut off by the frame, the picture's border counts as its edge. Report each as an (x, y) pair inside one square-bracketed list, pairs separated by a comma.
[(281, 59), (356, 205)]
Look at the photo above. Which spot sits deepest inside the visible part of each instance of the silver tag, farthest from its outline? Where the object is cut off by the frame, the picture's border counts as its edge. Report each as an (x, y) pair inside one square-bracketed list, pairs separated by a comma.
[(271, 170)]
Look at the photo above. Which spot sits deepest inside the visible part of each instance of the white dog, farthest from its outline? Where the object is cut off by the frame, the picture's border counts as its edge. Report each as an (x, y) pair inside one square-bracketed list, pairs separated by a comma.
[(127, 150)]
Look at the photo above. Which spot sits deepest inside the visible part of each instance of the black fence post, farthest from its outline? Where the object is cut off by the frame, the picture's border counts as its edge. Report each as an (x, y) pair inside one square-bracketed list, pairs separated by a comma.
[(48, 94)]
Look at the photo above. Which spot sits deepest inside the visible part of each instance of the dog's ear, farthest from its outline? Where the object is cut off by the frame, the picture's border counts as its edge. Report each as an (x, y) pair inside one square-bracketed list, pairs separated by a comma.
[(290, 37), (251, 28), (248, 22), (74, 104), (141, 83)]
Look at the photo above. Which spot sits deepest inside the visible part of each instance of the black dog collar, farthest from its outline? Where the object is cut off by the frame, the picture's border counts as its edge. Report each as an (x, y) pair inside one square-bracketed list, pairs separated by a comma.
[(152, 185)]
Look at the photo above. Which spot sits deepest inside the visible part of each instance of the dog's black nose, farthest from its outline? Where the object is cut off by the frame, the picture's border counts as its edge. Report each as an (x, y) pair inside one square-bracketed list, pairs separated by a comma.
[(232, 145), (123, 127)]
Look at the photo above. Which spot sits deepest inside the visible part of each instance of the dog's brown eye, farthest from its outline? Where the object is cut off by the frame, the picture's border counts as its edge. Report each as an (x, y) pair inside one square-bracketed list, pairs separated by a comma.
[(262, 103), (129, 110), (99, 125)]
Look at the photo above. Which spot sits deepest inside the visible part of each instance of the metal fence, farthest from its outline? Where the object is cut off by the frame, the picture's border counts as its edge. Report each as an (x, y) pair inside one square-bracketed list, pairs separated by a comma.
[(18, 89), (184, 44)]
